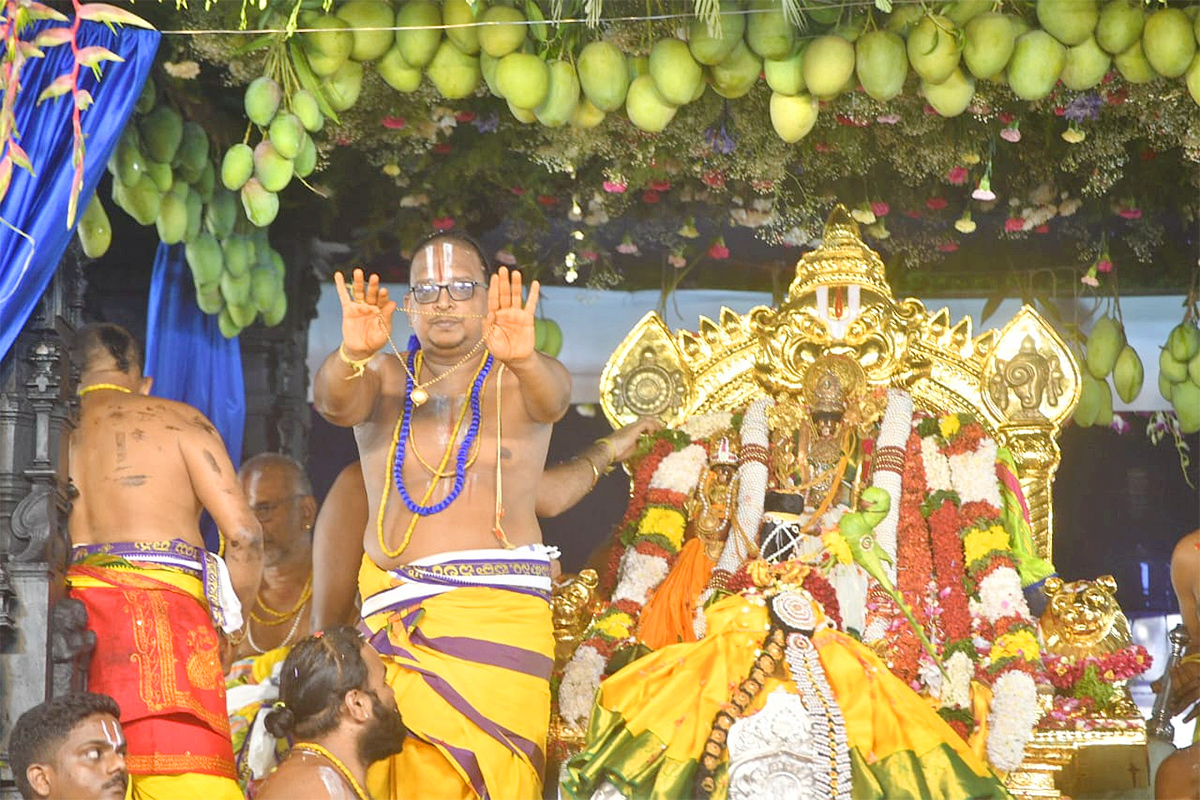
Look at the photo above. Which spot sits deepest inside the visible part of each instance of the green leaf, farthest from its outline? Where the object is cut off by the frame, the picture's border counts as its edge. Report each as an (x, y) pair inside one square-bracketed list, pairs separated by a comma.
[(310, 81), (534, 13), (60, 86), (257, 43), (884, 5), (52, 37), (103, 12), (92, 56)]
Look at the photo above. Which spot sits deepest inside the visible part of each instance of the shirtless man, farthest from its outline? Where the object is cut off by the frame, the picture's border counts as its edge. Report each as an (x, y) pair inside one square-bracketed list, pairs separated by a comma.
[(143, 469), (1178, 778), (455, 583)]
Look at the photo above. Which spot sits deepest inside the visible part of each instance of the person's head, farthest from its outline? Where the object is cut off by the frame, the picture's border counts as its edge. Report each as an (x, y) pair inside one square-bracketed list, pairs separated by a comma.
[(447, 279), (108, 353), (333, 680), (70, 747), (280, 494)]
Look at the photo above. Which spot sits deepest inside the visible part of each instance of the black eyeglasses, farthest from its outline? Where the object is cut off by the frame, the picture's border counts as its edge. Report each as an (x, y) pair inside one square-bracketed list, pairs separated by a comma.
[(264, 511), (425, 293)]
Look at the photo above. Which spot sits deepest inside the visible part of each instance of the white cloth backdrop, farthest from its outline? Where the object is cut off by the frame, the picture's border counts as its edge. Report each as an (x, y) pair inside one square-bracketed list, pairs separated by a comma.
[(594, 322)]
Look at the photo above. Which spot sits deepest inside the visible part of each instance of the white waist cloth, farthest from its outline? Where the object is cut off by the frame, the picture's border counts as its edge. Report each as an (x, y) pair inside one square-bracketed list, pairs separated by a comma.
[(524, 569)]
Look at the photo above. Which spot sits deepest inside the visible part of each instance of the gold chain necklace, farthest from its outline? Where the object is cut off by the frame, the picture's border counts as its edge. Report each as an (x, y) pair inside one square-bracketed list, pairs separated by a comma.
[(281, 616), (286, 640), (339, 765), (462, 415), (419, 394), (95, 387)]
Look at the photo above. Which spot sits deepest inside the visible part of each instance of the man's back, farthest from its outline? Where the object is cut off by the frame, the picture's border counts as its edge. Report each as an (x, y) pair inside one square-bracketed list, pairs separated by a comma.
[(134, 461)]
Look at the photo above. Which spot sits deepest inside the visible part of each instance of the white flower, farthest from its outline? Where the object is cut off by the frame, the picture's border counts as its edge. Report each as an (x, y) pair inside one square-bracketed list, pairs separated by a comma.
[(581, 679), (974, 474), (184, 70), (1000, 595), (703, 426), (1014, 712), (640, 575), (1069, 206), (414, 200), (680, 471), (957, 691), (937, 467)]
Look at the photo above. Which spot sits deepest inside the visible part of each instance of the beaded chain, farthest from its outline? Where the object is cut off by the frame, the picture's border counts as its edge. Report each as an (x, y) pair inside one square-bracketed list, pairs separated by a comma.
[(317, 750)]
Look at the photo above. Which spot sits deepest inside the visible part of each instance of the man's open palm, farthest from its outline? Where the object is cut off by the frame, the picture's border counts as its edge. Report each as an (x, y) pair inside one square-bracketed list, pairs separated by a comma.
[(509, 324), (366, 314)]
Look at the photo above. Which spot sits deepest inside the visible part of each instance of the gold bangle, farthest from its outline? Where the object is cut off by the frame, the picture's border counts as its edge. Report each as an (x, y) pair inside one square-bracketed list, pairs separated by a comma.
[(358, 365), (595, 473), (610, 449)]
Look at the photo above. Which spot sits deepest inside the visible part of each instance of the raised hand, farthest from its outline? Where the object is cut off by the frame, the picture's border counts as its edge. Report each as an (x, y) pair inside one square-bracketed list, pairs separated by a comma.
[(366, 315), (625, 440), (509, 324)]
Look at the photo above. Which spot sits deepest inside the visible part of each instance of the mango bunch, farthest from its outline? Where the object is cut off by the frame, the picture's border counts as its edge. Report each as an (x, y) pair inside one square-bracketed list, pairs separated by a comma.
[(285, 151), (1107, 354), (547, 336), (1179, 374), (163, 175)]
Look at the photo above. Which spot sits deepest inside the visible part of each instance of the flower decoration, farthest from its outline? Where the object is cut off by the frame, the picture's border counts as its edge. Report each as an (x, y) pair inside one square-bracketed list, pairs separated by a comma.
[(394, 123), (717, 250), (1129, 210), (1084, 107), (863, 214), (688, 229), (651, 196), (965, 224), (957, 176), (1074, 134), (391, 170), (615, 187), (880, 208), (1014, 224), (718, 137), (183, 70), (1011, 132), (627, 246), (983, 190), (676, 258), (1089, 278), (443, 223), (936, 203)]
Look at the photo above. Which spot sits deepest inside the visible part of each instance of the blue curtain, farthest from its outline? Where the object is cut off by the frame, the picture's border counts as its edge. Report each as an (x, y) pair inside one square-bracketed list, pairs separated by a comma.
[(37, 204), (188, 357)]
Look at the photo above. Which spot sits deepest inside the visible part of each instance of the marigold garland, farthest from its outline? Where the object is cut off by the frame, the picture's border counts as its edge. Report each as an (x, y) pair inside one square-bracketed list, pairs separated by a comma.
[(914, 564)]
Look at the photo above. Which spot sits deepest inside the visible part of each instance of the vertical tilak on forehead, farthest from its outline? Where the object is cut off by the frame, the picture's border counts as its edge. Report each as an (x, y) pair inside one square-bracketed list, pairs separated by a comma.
[(112, 733)]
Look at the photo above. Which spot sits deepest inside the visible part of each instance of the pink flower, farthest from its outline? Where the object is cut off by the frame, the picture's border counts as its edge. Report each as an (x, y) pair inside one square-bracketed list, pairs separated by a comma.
[(1011, 133), (547, 199), (393, 123), (1005, 117), (660, 186), (880, 209), (714, 179), (588, 255), (912, 213), (614, 187), (948, 247), (935, 203), (1119, 425), (627, 247), (519, 191), (465, 116), (651, 196), (1130, 213), (1089, 280), (984, 190), (888, 119), (443, 223), (718, 250), (957, 176), (762, 186), (1014, 225), (677, 261), (1042, 229), (1104, 265)]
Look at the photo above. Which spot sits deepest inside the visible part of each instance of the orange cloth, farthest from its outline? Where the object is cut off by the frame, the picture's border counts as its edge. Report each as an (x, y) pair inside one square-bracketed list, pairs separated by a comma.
[(668, 616), (157, 655)]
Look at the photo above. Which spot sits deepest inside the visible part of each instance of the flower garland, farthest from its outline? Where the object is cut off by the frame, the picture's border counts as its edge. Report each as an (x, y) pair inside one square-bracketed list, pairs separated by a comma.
[(1094, 681), (652, 532), (914, 564)]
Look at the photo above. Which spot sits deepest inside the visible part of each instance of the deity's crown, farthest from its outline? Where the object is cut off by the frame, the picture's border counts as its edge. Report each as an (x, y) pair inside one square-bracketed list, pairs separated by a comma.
[(723, 454), (842, 259), (828, 395)]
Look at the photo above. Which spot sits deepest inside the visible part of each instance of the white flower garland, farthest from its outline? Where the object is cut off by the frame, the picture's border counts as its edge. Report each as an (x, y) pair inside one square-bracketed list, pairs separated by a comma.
[(956, 691), (1000, 595), (974, 475), (937, 466), (705, 426), (1013, 714), (680, 471), (577, 690), (640, 575)]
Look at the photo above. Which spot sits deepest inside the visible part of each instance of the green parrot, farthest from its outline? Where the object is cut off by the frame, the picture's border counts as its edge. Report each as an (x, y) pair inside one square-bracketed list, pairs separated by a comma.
[(857, 528)]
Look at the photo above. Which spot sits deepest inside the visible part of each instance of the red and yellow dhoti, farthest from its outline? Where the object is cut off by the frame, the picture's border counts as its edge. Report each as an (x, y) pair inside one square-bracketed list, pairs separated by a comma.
[(468, 641), (157, 655)]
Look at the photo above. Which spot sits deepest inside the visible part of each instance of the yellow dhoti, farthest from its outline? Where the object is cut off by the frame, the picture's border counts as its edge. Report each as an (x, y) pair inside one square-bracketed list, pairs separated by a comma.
[(468, 642)]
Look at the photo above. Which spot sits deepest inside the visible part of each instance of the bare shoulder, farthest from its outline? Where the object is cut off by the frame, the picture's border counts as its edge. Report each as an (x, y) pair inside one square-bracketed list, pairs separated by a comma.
[(299, 777), (1187, 552)]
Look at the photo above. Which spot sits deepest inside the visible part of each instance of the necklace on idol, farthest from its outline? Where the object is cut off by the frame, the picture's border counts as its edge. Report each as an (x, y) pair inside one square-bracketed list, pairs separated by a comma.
[(317, 750), (95, 387), (280, 617), (400, 438)]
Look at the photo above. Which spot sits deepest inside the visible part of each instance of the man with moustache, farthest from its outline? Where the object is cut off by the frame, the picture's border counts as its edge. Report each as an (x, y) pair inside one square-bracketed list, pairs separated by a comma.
[(70, 748), (455, 580), (336, 706)]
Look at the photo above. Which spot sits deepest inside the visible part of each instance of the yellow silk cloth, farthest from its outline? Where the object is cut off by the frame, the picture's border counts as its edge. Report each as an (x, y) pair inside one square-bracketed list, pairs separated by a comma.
[(470, 668), (189, 784), (669, 614), (652, 718)]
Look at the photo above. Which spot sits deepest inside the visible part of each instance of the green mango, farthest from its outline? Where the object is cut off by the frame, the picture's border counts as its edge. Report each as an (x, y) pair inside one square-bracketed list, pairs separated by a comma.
[(454, 73), (586, 115), (263, 287), (1090, 400), (603, 75), (523, 115), (1173, 370), (271, 169), (161, 174), (960, 12), (1036, 64), (1193, 369), (261, 205), (207, 181), (130, 164), (647, 109), (209, 299), (237, 166), (561, 98), (1120, 25), (736, 75), (768, 32), (195, 214), (1192, 78), (828, 65), (553, 339), (368, 45), (192, 154), (1184, 341), (933, 48), (418, 46), (242, 315), (235, 288), (305, 106), (261, 100), (171, 221), (398, 73), (162, 131), (1104, 413), (952, 96), (221, 213), (1069, 21), (205, 258), (1165, 387), (287, 134), (1168, 42), (1128, 374), (881, 64), (793, 116), (306, 160), (343, 87), (236, 252), (460, 12), (147, 98), (229, 329), (143, 201), (676, 74), (990, 39), (95, 229), (786, 75), (327, 46), (278, 311), (1185, 399), (1133, 64), (710, 50), (1104, 344), (503, 31), (1086, 65), (523, 79)]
